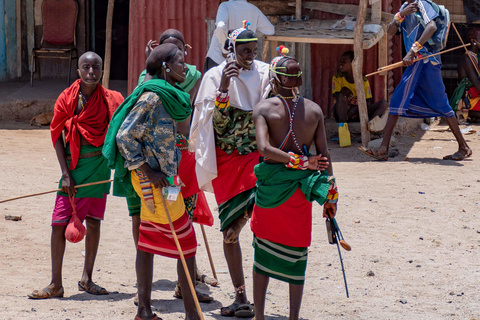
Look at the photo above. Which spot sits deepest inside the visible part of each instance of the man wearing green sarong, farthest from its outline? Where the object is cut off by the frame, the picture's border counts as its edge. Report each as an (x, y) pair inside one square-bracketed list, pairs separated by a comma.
[(288, 181)]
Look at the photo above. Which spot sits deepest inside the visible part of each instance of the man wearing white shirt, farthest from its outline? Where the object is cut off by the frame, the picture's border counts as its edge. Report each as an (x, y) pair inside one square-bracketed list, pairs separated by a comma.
[(230, 15)]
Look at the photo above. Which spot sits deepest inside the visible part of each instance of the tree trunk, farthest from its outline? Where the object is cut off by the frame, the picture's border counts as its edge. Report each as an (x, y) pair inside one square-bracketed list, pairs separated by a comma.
[(108, 45), (357, 71)]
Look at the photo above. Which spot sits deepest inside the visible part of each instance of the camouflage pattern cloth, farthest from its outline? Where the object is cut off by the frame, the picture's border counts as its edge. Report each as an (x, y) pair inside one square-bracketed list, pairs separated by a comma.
[(234, 129), (148, 136)]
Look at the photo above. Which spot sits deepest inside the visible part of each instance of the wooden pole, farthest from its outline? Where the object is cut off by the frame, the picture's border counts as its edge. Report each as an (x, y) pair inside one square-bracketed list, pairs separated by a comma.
[(184, 263), (18, 9), (357, 71), (400, 63), (208, 251), (466, 50), (108, 45), (56, 190), (298, 9)]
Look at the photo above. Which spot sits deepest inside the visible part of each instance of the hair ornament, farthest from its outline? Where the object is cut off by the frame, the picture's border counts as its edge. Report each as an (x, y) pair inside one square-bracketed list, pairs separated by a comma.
[(282, 50)]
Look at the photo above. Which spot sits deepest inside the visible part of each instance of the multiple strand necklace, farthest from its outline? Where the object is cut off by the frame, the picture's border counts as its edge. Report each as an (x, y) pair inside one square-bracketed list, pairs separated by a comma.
[(292, 115), (83, 100)]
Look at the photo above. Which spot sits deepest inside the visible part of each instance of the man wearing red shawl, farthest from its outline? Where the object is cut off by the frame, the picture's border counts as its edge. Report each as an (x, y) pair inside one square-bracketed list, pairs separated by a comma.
[(82, 113)]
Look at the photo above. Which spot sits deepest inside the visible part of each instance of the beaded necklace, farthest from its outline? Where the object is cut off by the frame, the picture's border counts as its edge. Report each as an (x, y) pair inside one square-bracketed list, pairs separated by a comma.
[(292, 115), (83, 100)]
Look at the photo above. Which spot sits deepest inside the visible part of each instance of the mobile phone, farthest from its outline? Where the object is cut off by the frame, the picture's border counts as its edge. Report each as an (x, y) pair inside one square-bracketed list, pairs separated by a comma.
[(230, 57)]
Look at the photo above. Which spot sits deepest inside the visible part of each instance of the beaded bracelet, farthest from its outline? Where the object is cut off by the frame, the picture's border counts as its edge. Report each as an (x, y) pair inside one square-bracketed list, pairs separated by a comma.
[(297, 161), (416, 46), (222, 100), (332, 195), (399, 18)]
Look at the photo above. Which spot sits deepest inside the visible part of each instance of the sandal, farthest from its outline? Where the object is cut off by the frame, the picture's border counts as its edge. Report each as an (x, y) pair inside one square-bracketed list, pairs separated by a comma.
[(245, 311), (46, 293), (373, 154), (202, 297), (458, 156), (238, 310), (229, 311), (94, 289), (154, 318)]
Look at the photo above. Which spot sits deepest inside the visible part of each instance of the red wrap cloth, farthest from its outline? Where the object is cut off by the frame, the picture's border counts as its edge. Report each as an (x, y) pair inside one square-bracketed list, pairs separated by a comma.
[(158, 239), (186, 171), (235, 174), (289, 224), (91, 122)]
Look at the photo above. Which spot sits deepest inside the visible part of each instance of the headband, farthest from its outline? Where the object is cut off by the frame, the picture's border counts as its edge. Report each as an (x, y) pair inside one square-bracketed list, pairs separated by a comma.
[(235, 33), (277, 63)]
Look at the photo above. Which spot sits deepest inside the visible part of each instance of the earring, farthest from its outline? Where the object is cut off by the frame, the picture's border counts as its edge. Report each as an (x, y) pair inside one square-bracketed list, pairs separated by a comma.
[(168, 70), (185, 52)]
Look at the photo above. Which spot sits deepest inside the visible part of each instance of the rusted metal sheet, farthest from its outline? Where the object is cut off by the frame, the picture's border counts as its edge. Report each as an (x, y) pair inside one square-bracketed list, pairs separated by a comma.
[(325, 60), (149, 18)]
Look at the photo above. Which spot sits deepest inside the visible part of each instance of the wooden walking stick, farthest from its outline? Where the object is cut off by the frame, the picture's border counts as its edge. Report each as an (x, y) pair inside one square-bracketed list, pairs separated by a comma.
[(400, 63), (471, 59), (208, 251), (55, 190), (184, 263)]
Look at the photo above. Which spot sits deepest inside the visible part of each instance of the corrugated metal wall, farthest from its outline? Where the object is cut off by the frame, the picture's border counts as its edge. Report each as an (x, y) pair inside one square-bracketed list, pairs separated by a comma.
[(325, 60), (149, 18)]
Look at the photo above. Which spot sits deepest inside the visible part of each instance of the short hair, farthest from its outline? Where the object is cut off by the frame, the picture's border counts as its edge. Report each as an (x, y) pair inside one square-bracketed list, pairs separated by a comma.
[(160, 55), (472, 33), (171, 33), (349, 54), (93, 55)]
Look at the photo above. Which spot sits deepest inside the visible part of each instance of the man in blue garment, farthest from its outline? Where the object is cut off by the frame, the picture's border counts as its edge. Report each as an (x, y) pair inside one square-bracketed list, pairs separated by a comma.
[(421, 92)]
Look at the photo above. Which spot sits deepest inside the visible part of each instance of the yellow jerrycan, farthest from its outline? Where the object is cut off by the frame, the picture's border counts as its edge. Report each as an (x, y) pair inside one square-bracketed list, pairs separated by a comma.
[(344, 135)]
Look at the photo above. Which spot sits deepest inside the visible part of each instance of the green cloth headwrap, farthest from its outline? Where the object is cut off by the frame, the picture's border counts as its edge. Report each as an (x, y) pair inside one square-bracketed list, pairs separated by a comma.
[(277, 183), (176, 102)]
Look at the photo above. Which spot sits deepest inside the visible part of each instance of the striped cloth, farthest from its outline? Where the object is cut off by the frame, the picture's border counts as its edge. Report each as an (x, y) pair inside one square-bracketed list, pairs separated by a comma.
[(234, 186), (155, 234), (235, 207), (157, 238), (280, 262)]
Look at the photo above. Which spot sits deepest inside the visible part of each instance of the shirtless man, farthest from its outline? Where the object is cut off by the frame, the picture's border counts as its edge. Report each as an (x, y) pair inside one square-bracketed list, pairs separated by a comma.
[(82, 112), (287, 125), (222, 136)]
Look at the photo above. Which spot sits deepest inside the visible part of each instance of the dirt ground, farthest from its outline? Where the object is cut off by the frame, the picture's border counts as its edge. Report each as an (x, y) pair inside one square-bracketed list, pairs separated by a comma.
[(413, 225)]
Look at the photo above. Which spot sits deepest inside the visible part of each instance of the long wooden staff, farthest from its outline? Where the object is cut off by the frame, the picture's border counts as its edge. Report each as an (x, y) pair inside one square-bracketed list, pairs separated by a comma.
[(208, 251), (56, 190), (400, 63), (471, 59), (184, 263)]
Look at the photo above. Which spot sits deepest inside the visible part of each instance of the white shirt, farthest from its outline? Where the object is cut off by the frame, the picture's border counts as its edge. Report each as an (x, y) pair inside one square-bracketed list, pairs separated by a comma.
[(230, 15), (245, 92)]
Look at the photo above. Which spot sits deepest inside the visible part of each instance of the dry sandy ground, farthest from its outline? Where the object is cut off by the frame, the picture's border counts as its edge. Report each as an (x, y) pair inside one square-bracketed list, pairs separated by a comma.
[(413, 225)]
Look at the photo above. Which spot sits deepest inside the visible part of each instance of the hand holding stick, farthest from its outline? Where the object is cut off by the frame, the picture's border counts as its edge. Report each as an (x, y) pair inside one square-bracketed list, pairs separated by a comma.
[(400, 63), (182, 258)]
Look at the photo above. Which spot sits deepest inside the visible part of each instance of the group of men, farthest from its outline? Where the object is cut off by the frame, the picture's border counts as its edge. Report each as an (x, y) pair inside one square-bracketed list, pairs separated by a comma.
[(248, 141)]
